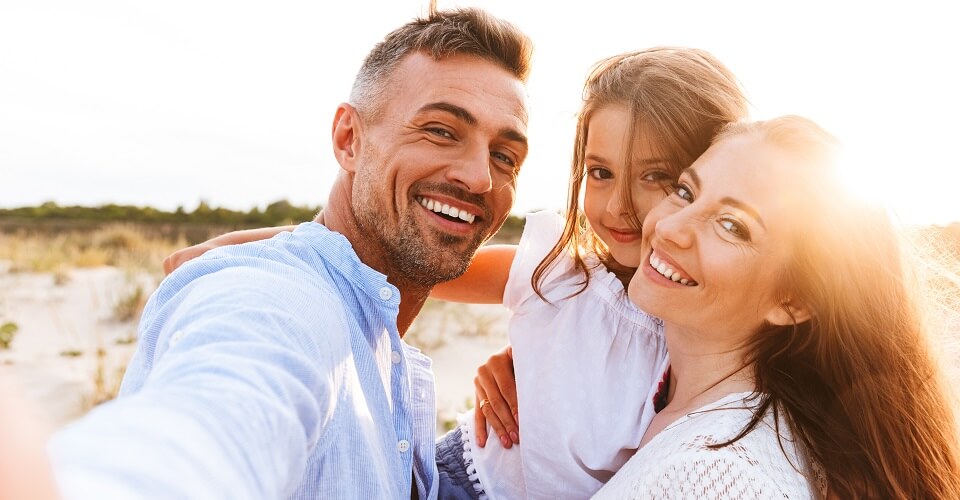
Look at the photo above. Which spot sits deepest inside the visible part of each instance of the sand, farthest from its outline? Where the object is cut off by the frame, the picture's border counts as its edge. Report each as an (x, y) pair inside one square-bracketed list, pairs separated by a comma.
[(70, 350)]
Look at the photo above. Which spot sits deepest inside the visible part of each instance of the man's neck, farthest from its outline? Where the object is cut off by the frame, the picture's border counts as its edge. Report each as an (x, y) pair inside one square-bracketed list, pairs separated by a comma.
[(339, 218)]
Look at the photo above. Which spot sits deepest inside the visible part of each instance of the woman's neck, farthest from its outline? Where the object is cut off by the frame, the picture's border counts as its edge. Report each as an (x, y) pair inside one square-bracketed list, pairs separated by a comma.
[(703, 370)]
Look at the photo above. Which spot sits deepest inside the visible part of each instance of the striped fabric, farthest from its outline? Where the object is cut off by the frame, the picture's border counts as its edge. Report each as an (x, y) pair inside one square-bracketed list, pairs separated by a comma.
[(266, 370)]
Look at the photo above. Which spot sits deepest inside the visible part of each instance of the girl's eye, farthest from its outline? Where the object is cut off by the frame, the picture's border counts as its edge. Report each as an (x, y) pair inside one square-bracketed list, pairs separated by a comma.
[(735, 228), (657, 176), (599, 173), (684, 193)]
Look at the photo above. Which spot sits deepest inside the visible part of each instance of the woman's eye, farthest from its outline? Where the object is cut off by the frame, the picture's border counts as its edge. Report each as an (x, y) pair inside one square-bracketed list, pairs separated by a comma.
[(599, 173), (684, 193), (735, 228)]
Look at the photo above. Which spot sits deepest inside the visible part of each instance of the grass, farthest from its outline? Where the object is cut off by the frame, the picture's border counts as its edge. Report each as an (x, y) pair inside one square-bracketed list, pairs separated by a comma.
[(126, 246), (8, 331)]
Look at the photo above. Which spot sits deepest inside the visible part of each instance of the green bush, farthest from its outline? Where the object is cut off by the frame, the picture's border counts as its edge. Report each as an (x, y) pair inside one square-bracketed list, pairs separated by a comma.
[(8, 331)]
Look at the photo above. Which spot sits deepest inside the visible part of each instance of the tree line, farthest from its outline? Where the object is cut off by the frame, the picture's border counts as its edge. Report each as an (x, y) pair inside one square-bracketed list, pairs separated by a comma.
[(278, 213)]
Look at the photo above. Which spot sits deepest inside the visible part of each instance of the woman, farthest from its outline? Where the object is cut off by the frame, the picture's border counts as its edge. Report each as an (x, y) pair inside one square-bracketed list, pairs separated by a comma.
[(799, 364)]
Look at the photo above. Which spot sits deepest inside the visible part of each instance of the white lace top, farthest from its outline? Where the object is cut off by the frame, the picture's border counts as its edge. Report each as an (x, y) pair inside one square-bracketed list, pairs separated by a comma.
[(586, 366), (677, 462)]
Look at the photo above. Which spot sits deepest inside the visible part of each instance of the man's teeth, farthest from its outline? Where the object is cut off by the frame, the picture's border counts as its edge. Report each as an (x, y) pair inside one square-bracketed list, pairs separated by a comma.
[(669, 273), (443, 208)]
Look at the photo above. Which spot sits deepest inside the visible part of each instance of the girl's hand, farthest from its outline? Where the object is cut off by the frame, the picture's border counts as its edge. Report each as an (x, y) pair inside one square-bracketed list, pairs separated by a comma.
[(178, 258), (497, 399)]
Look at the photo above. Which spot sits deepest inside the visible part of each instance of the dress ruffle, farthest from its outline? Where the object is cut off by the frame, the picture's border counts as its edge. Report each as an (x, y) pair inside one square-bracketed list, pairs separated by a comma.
[(468, 438)]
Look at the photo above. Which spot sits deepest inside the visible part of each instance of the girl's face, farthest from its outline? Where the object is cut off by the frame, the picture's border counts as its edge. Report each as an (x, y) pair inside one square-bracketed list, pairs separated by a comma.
[(715, 249), (608, 170)]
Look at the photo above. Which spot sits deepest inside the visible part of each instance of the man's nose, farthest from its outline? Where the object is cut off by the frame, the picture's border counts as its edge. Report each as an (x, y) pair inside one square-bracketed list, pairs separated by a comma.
[(472, 171)]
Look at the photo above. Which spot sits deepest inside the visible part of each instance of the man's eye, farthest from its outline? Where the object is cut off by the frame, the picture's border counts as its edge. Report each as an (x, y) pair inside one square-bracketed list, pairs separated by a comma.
[(441, 132), (504, 158)]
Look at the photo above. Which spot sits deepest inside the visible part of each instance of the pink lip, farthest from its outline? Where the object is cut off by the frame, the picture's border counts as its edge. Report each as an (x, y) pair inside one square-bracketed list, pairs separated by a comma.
[(624, 236)]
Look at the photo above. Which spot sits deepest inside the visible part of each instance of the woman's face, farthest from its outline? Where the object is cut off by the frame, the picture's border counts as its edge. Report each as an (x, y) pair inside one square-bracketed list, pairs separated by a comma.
[(714, 250), (608, 169)]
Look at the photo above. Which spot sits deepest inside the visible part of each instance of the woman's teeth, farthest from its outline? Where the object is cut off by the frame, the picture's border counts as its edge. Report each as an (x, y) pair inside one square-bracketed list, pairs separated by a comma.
[(668, 273)]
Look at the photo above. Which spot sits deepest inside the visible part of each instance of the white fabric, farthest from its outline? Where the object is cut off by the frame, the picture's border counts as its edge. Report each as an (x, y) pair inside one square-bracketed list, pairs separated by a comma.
[(677, 462), (587, 367)]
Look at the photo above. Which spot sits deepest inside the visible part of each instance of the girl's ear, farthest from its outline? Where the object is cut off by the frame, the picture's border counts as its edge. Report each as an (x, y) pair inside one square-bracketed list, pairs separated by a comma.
[(788, 313), (346, 136)]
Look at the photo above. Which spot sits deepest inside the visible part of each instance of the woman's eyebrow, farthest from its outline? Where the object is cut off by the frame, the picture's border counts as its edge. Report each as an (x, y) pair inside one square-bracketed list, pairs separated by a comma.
[(727, 200)]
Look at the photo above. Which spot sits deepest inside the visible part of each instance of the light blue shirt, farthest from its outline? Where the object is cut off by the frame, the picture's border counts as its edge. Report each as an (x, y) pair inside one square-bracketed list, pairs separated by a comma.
[(266, 370)]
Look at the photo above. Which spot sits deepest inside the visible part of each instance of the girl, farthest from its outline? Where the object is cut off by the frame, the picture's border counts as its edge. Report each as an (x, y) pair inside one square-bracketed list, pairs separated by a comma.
[(797, 319), (580, 346)]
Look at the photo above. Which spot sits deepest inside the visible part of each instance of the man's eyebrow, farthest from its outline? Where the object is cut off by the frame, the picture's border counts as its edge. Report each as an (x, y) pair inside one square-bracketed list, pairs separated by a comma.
[(727, 200), (507, 133), (453, 109), (513, 135)]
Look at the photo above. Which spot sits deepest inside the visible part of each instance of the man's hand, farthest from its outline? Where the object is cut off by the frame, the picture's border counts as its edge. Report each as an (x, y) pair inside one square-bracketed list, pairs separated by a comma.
[(24, 467), (497, 399)]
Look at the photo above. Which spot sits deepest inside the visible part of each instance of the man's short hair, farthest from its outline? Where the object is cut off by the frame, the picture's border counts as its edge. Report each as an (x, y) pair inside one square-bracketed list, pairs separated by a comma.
[(442, 34)]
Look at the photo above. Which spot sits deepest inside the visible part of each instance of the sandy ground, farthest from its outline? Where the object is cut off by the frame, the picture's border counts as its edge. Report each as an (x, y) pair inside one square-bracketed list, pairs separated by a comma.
[(70, 350)]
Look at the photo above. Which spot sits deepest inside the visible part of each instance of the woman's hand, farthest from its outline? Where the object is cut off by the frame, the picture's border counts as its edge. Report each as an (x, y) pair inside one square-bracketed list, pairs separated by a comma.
[(497, 399)]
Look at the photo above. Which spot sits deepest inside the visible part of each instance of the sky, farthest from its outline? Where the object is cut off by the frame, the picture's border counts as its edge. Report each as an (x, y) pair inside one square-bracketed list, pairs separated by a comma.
[(231, 102)]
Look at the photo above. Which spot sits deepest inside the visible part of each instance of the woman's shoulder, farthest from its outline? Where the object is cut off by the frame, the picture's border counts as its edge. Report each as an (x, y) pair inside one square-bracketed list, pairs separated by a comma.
[(692, 457)]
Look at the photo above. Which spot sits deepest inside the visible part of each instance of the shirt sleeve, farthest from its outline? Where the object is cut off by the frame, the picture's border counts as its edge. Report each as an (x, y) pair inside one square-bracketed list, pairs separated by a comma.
[(541, 231), (240, 390)]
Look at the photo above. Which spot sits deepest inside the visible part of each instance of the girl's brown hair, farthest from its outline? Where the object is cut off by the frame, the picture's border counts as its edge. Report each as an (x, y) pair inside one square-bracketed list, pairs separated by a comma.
[(681, 96), (858, 383)]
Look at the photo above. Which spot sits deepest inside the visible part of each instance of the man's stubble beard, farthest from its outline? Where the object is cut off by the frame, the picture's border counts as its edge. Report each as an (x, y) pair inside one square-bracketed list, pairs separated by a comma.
[(409, 253)]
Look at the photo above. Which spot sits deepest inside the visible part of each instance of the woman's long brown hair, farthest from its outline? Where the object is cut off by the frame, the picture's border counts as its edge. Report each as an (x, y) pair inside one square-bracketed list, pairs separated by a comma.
[(858, 383)]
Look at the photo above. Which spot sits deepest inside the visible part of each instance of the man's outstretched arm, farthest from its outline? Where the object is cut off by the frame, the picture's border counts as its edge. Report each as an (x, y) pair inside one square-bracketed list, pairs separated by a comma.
[(230, 404)]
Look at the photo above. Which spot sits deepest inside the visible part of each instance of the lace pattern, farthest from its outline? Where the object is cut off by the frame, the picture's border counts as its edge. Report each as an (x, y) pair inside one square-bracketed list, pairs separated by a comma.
[(680, 463), (468, 459)]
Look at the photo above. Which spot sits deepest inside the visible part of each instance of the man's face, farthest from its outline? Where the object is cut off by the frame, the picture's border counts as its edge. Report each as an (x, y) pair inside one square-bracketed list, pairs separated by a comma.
[(436, 170)]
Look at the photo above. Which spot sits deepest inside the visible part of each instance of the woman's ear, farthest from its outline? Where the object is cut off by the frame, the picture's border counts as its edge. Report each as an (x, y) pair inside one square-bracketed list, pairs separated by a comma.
[(789, 312), (346, 136)]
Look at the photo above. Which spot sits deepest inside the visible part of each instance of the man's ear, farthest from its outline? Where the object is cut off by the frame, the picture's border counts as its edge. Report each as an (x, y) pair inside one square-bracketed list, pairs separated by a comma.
[(789, 312), (346, 136)]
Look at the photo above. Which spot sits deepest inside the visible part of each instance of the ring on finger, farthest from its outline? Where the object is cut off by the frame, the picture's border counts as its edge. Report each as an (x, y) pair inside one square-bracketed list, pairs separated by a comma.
[(483, 402)]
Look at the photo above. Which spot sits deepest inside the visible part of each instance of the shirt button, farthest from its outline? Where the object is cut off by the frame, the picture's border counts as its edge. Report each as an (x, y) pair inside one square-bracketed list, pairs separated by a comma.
[(386, 293), (403, 445), (395, 357), (177, 335)]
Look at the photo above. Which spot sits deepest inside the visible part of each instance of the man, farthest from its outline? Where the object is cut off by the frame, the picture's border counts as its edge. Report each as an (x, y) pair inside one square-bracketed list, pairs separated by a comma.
[(277, 369)]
